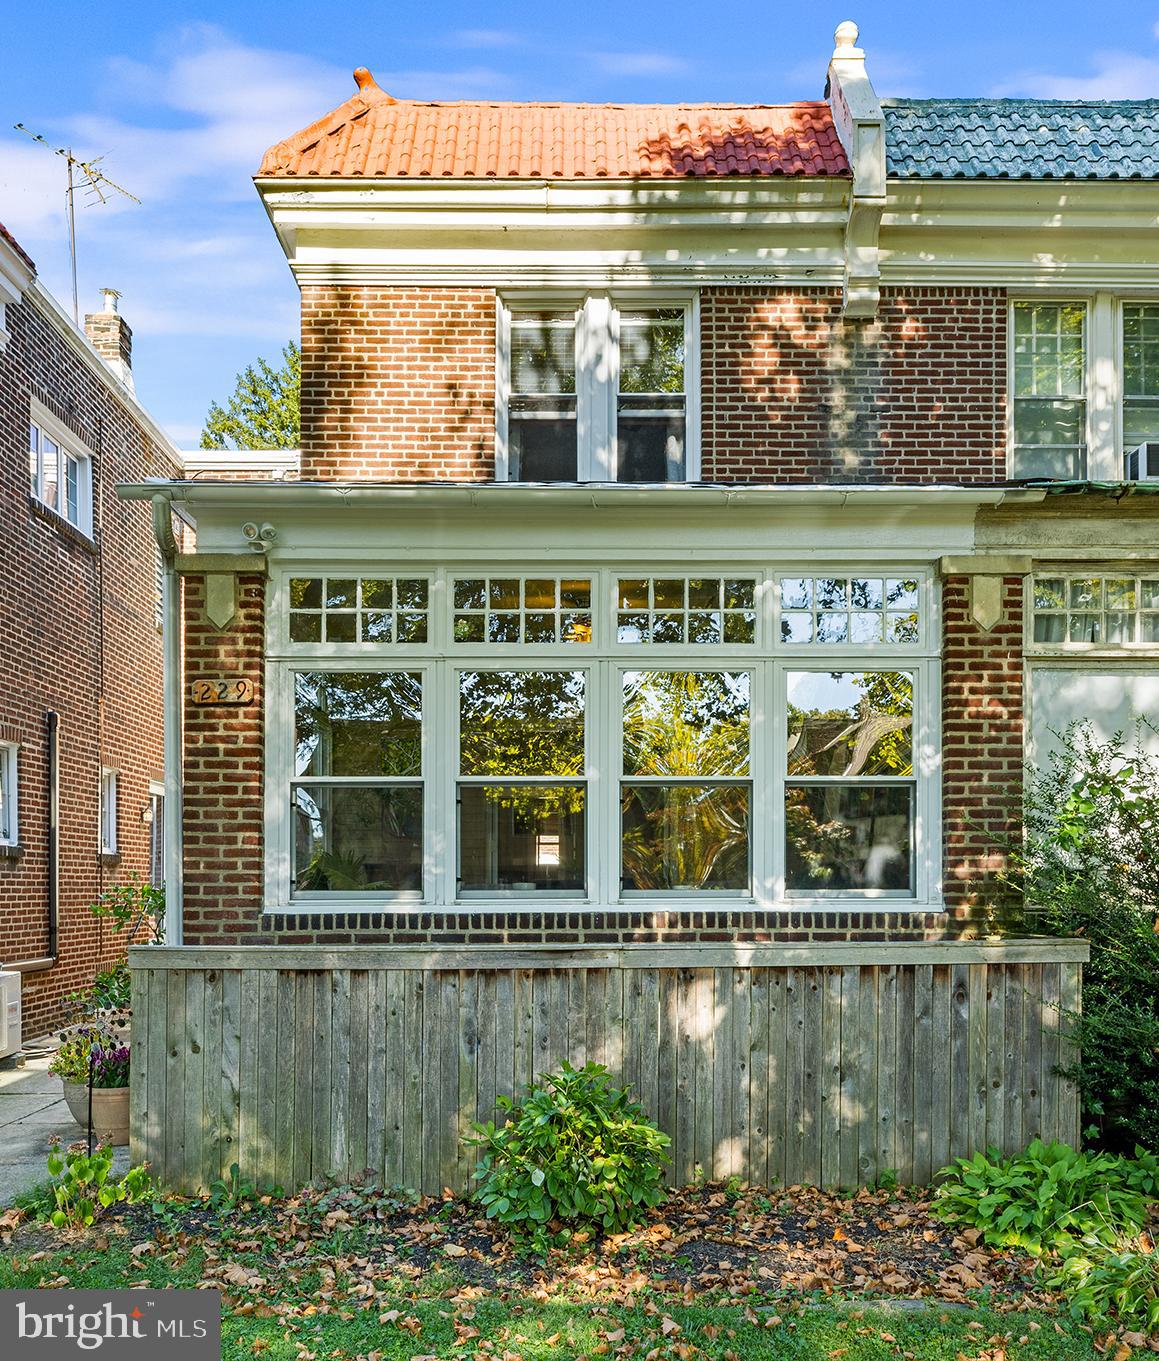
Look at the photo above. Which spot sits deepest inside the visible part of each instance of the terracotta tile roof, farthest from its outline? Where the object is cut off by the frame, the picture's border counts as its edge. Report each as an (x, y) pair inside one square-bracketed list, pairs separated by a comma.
[(375, 136), (17, 247)]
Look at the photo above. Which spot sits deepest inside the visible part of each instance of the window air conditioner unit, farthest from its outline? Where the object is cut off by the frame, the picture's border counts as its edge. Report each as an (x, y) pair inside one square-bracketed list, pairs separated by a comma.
[(1143, 462), (9, 1014)]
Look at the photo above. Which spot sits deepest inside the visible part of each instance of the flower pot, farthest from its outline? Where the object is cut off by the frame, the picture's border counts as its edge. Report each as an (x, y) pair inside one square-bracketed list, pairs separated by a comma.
[(110, 1111)]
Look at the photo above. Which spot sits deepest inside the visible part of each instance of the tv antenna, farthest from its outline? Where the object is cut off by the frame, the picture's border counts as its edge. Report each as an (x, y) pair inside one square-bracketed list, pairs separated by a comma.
[(84, 177)]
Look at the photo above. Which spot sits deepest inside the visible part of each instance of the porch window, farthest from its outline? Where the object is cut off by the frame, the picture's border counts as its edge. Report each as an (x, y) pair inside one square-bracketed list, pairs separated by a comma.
[(525, 610), (1049, 389), (9, 825), (1140, 374), (353, 609), (849, 794), (1096, 611), (697, 610), (850, 610), (357, 792), (522, 787), (599, 391), (686, 795)]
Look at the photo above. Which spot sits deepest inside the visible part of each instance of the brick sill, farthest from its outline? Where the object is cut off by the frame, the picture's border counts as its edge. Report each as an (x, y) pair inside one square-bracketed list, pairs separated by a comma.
[(109, 859), (11, 850), (63, 527)]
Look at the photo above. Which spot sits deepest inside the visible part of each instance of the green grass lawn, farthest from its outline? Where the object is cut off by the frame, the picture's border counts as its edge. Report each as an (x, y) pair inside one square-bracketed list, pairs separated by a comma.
[(434, 1315)]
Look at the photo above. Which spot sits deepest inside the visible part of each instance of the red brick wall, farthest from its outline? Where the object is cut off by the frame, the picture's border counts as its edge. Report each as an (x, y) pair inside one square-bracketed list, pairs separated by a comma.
[(222, 797), (397, 383), (792, 392), (982, 743), (80, 637)]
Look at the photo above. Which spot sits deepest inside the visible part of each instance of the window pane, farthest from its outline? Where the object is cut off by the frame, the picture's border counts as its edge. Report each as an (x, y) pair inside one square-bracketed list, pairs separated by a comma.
[(1060, 464), (849, 837), (522, 610), (699, 610), (541, 439), (1140, 352), (34, 460), (521, 837), (650, 439), (688, 837), (521, 722), (72, 490), (1140, 421), (7, 763), (358, 723), (543, 352), (49, 470), (850, 723), (652, 351), (686, 723), (1053, 423), (357, 838)]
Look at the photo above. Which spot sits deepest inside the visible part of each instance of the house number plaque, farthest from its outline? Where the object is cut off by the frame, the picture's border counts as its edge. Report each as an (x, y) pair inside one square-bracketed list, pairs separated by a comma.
[(223, 690)]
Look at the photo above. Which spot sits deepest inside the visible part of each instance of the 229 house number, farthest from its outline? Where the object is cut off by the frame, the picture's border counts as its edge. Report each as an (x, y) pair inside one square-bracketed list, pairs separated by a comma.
[(223, 690)]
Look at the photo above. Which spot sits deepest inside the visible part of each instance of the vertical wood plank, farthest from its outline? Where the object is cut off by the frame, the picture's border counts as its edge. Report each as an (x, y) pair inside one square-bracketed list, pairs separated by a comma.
[(303, 1043), (1012, 1062), (944, 1049), (357, 1159), (830, 1127), (978, 1016), (704, 1055), (157, 1123), (197, 1140), (524, 1013), (926, 1054), (904, 1088), (414, 1110), (672, 1064), (1051, 1049), (285, 1025), (686, 998), (756, 1170), (793, 1171), (1068, 1101), (229, 1090), (995, 1056), (375, 1155), (468, 1031), (723, 1076), (777, 1095), (266, 1085), (813, 1081), (144, 1056), (175, 1167), (886, 1153), (853, 1095), (1032, 1054)]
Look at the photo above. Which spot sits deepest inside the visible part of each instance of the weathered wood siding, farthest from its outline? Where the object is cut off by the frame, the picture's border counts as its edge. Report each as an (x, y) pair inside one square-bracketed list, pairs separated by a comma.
[(812, 1063)]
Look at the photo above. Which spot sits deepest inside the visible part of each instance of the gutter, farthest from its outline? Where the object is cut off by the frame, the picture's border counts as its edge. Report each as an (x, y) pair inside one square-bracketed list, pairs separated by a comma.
[(171, 708), (52, 741)]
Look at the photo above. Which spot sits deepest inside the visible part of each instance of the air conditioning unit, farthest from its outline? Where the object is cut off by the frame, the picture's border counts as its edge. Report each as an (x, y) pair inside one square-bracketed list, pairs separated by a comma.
[(9, 1014), (1143, 462)]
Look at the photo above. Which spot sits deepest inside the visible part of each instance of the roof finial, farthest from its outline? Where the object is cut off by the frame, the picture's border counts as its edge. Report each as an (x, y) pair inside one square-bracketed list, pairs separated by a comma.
[(368, 87), (845, 39)]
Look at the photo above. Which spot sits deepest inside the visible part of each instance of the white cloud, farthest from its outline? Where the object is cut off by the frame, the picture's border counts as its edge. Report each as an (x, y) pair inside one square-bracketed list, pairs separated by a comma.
[(1116, 75), (638, 63)]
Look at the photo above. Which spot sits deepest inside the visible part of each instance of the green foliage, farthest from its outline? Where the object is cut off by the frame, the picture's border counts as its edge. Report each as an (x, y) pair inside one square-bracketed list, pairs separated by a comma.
[(1116, 1281), (576, 1150), (82, 1185), (131, 906), (1089, 866), (263, 411), (232, 1192), (1048, 1197)]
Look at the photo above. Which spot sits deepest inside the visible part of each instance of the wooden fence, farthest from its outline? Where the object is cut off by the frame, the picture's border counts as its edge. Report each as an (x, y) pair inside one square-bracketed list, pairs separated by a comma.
[(825, 1063)]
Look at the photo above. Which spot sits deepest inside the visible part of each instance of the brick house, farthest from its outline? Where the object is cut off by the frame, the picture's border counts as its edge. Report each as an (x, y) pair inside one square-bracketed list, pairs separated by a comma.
[(81, 750), (704, 514)]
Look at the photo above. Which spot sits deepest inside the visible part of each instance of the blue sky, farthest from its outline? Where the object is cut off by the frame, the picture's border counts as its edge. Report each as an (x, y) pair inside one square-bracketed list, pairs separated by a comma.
[(182, 99)]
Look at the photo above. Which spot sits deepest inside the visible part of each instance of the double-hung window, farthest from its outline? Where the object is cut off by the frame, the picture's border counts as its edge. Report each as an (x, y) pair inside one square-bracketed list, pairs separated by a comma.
[(598, 391), (9, 824), (1049, 390), (59, 474), (1140, 374)]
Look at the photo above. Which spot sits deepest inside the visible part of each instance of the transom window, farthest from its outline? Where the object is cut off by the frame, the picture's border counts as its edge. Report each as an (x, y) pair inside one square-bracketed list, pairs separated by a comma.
[(686, 610), (1102, 611), (345, 609), (1049, 389), (59, 475), (850, 610), (598, 391), (538, 745), (522, 609)]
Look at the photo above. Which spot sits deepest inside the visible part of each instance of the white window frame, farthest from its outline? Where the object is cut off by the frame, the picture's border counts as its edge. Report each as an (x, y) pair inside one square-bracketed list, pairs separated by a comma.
[(157, 833), (1093, 651), (1117, 367), (598, 374), (45, 423), (109, 800), (604, 660), (1093, 406), (10, 768)]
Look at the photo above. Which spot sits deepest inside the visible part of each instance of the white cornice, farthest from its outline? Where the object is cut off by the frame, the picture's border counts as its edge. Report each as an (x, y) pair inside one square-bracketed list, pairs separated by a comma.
[(15, 278)]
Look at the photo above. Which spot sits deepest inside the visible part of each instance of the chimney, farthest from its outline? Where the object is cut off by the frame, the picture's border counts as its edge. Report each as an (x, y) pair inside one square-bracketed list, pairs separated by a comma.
[(112, 337)]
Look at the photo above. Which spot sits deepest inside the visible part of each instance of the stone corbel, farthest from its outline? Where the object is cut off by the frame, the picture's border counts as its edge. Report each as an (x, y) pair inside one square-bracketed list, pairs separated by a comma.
[(986, 573), (221, 571)]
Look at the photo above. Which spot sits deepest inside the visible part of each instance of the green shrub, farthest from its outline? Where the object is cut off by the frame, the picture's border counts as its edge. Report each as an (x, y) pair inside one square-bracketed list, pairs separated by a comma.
[(575, 1150), (1116, 1281), (1089, 866), (1047, 1198), (81, 1185)]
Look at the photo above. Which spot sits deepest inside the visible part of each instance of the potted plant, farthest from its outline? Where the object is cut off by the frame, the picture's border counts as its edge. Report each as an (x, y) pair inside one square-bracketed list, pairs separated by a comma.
[(89, 1052)]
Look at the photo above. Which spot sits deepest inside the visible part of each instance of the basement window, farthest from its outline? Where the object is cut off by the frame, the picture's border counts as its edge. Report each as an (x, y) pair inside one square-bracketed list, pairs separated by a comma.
[(601, 390)]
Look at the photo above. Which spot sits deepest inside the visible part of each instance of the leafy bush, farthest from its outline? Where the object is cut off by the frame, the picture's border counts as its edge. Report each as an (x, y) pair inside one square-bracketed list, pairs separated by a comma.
[(1117, 1280), (81, 1185), (575, 1150), (1089, 866), (91, 1049), (1046, 1198)]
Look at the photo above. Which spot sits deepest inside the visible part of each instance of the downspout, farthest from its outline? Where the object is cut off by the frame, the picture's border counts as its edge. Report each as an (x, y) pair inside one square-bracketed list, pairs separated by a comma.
[(52, 738), (171, 706)]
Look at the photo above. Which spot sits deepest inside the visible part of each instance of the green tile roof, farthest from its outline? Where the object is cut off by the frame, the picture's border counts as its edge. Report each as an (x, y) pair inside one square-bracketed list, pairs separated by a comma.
[(1022, 139)]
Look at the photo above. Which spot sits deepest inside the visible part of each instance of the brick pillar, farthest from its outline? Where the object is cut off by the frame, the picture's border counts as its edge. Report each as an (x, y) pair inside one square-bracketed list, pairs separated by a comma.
[(982, 745), (223, 813)]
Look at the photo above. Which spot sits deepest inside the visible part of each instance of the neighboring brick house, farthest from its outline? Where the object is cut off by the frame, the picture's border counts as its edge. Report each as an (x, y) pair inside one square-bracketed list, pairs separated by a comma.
[(699, 507), (81, 753)]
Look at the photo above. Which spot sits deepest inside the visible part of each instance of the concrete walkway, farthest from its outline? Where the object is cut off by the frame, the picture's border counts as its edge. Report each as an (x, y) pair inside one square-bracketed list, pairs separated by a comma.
[(32, 1110)]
